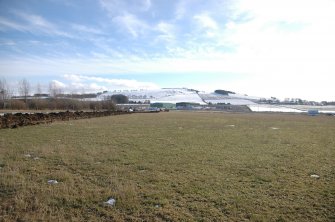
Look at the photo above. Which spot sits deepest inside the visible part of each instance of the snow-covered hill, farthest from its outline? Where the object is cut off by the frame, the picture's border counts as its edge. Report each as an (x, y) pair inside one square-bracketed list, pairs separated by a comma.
[(233, 99), (171, 95), (175, 95)]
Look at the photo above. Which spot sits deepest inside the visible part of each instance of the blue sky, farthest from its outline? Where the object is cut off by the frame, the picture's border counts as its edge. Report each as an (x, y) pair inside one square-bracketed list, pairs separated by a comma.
[(282, 48)]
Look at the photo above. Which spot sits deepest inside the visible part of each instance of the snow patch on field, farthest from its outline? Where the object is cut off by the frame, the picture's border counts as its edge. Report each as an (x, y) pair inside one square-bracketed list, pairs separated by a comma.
[(290, 108), (273, 108)]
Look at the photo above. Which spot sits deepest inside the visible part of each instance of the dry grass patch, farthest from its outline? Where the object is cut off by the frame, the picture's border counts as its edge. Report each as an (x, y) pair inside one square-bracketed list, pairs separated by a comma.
[(177, 166)]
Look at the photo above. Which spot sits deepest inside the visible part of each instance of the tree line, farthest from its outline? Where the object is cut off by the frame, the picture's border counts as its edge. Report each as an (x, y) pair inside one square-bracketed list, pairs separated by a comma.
[(22, 98)]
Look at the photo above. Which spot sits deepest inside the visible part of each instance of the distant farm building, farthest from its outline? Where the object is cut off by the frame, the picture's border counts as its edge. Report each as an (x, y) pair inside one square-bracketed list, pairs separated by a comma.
[(188, 106), (163, 105), (313, 112), (134, 107)]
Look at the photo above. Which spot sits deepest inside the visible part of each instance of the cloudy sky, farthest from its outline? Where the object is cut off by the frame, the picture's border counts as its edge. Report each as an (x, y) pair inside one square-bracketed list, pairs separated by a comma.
[(282, 48)]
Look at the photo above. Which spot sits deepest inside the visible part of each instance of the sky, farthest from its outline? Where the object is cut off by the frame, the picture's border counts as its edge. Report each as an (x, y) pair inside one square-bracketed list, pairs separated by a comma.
[(280, 48)]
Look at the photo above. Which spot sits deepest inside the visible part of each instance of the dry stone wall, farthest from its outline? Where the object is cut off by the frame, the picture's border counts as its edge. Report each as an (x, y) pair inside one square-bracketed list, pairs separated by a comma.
[(9, 120)]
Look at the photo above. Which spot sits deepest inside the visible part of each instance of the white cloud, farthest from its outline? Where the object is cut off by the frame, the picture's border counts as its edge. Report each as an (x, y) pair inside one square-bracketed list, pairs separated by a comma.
[(73, 78), (8, 24), (123, 83), (181, 9), (166, 30), (89, 84), (58, 84), (131, 24), (306, 11), (100, 83), (205, 21), (84, 28), (38, 25), (96, 88), (280, 47), (118, 7), (272, 45), (79, 87), (113, 7), (32, 23), (37, 22), (146, 4), (7, 43)]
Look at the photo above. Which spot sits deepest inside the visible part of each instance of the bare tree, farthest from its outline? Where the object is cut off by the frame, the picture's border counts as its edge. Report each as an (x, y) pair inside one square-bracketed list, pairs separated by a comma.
[(38, 89), (24, 89), (37, 97), (54, 89), (3, 93)]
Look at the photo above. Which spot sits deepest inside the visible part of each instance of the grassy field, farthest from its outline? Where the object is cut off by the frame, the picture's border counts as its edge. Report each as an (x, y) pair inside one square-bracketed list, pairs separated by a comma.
[(176, 166)]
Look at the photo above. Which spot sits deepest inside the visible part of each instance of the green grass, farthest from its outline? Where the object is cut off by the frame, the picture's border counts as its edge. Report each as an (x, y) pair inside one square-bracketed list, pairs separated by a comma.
[(177, 166)]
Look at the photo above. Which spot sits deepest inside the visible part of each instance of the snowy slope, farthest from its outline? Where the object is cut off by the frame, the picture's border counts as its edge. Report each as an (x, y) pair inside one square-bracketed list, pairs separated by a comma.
[(233, 99), (191, 97), (173, 95)]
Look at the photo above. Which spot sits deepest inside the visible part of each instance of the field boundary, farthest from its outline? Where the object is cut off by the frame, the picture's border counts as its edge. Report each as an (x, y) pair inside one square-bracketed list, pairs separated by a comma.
[(10, 120)]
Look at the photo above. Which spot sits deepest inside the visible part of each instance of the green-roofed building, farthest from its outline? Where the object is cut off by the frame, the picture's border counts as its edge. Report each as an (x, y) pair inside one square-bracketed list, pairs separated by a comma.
[(163, 105)]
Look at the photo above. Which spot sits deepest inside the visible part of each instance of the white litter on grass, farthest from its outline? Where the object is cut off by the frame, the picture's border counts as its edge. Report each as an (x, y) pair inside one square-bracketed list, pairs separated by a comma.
[(157, 206), (27, 155), (315, 176), (274, 128), (231, 125), (52, 181), (110, 202)]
